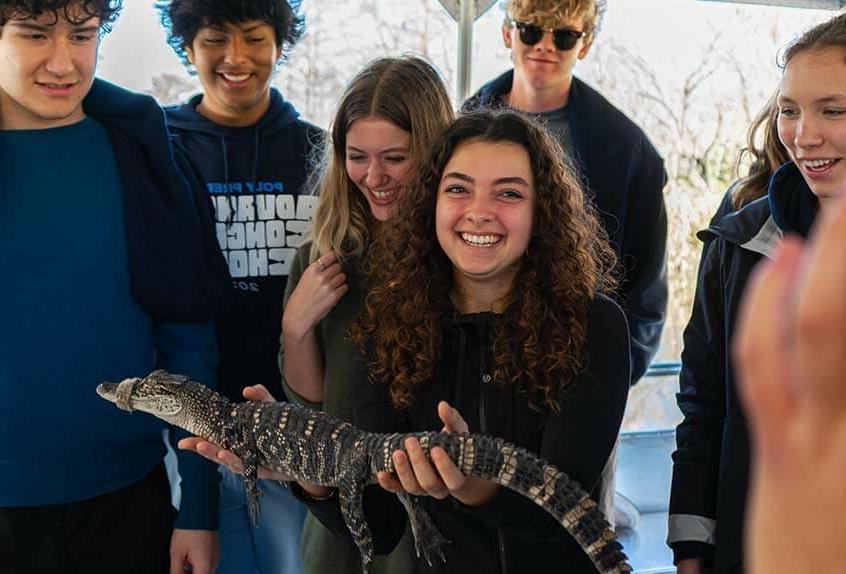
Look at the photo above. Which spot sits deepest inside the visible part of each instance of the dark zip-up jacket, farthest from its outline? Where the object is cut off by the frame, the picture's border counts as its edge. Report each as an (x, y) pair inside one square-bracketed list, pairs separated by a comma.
[(510, 534), (624, 174), (711, 463), (254, 178), (176, 268)]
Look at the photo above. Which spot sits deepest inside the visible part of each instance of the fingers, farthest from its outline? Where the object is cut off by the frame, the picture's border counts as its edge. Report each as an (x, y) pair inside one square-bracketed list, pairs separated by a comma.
[(189, 443), (258, 393), (415, 472), (820, 317), (405, 474), (388, 482), (213, 453), (452, 419), (321, 286), (327, 261), (451, 476)]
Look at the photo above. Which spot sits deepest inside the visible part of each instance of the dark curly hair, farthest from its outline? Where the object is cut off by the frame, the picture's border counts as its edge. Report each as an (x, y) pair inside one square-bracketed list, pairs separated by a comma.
[(74, 11), (538, 344), (184, 18)]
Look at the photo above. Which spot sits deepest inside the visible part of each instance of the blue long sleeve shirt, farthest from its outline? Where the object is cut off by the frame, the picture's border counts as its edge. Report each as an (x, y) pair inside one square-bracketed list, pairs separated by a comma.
[(71, 320)]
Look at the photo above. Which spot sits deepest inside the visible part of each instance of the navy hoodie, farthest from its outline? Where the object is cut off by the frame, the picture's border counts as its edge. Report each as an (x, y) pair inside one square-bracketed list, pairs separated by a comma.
[(255, 179)]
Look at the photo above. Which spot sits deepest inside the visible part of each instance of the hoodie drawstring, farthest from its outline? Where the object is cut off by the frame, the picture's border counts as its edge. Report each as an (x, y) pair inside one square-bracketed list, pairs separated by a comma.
[(233, 204), (256, 150)]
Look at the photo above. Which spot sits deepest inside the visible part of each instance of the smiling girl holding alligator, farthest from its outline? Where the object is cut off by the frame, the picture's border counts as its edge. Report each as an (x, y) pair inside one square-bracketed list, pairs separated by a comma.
[(494, 310)]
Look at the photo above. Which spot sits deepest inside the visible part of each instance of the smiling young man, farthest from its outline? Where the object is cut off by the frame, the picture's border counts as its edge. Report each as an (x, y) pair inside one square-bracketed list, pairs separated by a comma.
[(103, 238), (252, 153), (622, 170)]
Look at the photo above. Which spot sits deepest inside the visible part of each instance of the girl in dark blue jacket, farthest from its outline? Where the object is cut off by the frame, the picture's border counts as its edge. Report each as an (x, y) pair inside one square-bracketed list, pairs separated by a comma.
[(712, 460)]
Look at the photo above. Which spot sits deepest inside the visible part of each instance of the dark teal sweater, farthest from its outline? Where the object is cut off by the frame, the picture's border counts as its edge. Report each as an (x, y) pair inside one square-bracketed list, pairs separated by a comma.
[(71, 321)]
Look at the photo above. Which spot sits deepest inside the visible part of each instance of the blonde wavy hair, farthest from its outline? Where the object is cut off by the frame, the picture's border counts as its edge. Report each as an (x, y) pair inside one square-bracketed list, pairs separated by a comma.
[(409, 93), (554, 13), (538, 344)]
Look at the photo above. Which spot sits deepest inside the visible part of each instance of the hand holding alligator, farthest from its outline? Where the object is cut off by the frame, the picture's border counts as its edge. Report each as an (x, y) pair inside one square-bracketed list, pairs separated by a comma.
[(438, 477)]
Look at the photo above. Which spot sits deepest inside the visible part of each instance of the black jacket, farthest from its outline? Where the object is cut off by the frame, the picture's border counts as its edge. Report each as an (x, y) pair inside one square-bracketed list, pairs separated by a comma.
[(510, 534), (175, 265), (625, 175), (711, 463), (253, 177)]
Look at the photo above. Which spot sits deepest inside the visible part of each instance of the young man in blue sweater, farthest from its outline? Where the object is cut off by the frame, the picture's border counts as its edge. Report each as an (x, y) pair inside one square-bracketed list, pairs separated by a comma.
[(106, 276), (252, 153)]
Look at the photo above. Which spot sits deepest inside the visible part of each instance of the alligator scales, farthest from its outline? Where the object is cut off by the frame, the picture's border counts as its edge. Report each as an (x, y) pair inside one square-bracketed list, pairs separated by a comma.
[(312, 446)]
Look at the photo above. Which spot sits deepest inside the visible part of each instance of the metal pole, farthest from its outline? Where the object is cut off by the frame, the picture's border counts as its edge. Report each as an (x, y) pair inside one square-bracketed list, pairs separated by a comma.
[(466, 12), (465, 47)]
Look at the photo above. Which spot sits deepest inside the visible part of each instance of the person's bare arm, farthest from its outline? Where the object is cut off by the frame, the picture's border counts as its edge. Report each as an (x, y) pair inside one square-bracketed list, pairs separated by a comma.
[(689, 566)]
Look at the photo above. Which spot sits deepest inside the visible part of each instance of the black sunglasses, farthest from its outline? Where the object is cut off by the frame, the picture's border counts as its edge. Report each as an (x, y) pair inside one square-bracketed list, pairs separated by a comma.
[(563, 38)]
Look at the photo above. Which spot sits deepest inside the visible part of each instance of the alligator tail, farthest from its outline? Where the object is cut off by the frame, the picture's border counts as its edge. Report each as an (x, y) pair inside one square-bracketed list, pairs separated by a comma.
[(522, 471)]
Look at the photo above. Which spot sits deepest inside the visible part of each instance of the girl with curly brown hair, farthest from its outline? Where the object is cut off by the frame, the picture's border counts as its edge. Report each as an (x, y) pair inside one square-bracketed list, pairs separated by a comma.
[(493, 308)]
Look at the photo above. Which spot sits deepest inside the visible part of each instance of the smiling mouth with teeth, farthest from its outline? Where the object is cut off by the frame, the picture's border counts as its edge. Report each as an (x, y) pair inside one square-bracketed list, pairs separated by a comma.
[(481, 240), (236, 78), (53, 86), (383, 194), (818, 164)]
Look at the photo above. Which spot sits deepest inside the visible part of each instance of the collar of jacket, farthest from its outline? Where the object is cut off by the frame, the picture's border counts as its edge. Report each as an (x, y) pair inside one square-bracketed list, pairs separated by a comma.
[(788, 207), (278, 116), (596, 125), (794, 206)]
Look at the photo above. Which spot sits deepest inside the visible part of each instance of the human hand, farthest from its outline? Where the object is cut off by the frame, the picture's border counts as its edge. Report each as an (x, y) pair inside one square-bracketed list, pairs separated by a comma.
[(452, 419), (790, 354), (436, 475), (230, 460), (219, 455), (196, 551), (321, 286)]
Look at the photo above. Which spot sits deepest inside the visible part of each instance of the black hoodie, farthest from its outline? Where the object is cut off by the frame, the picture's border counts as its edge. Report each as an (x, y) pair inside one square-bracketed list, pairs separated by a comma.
[(254, 177)]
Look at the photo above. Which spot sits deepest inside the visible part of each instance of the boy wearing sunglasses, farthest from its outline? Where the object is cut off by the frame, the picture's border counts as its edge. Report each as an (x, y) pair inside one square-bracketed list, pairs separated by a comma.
[(251, 150), (106, 276), (623, 171)]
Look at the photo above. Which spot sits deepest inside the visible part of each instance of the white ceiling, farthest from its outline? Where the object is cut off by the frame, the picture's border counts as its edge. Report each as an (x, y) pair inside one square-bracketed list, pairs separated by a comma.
[(831, 4)]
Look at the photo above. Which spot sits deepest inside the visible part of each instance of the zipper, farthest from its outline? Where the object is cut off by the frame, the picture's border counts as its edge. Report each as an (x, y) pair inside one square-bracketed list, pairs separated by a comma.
[(485, 379), (503, 561)]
